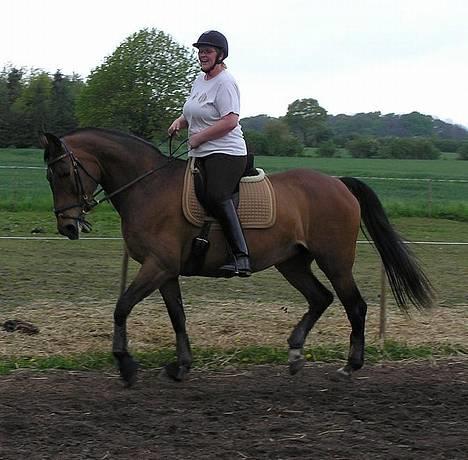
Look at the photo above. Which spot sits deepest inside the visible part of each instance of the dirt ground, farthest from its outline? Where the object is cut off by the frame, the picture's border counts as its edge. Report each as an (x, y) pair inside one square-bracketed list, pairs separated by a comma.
[(414, 410)]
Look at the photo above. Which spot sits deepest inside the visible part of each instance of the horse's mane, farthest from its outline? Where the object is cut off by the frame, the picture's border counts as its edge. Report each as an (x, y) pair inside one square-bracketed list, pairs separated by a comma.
[(113, 133)]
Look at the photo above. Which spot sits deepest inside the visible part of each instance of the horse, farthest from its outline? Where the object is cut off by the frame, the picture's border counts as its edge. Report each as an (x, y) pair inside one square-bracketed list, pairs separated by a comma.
[(318, 218)]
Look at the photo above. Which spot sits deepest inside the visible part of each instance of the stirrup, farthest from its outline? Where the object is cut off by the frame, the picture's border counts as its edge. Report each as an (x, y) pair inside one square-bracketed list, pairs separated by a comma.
[(239, 266)]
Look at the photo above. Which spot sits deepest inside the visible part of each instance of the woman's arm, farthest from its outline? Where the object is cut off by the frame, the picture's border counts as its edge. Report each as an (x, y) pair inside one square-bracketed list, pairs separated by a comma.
[(219, 129)]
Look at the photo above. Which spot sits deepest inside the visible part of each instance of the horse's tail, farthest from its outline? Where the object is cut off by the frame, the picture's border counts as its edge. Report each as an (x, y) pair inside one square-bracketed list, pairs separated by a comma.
[(407, 280)]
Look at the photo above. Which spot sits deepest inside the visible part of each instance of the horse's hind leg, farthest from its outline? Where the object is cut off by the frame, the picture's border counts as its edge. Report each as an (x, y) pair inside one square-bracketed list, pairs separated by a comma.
[(297, 271), (356, 310), (170, 292)]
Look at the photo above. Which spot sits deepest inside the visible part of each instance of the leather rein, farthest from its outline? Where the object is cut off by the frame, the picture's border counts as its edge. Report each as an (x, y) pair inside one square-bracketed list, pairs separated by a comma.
[(86, 203)]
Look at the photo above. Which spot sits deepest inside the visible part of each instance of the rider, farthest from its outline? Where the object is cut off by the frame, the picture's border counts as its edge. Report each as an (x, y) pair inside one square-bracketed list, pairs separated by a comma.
[(211, 114)]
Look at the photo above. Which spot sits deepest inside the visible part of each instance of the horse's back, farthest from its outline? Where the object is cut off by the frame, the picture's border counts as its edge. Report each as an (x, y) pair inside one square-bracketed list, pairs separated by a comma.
[(319, 207)]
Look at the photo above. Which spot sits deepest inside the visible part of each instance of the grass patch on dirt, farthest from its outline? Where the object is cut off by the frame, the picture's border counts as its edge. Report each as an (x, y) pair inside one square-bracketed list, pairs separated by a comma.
[(215, 359)]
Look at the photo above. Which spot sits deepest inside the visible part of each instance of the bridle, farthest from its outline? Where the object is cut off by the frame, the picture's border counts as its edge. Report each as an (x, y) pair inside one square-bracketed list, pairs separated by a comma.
[(87, 203)]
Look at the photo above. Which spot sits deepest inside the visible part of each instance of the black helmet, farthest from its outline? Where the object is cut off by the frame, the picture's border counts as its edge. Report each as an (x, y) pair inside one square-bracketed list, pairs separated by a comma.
[(215, 39)]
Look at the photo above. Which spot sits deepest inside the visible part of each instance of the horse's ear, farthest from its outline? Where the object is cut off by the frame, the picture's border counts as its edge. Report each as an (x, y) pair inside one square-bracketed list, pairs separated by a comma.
[(50, 141)]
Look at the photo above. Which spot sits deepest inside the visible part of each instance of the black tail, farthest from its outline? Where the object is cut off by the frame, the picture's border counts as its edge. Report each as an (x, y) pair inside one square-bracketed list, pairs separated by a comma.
[(408, 282)]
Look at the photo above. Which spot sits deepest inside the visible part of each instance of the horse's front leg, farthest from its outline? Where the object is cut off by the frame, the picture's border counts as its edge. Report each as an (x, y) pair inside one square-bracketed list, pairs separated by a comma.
[(148, 279), (170, 292)]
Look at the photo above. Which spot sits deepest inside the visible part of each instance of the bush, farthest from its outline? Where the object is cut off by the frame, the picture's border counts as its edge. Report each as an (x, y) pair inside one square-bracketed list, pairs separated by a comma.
[(327, 149), (403, 148), (462, 151), (363, 147), (447, 145)]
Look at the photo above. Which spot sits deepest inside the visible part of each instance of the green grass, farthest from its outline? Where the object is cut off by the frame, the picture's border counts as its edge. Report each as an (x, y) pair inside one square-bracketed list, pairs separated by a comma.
[(27, 189), (214, 359)]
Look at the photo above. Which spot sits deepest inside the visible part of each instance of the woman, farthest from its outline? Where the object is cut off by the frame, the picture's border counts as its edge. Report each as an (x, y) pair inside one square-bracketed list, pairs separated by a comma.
[(211, 114)]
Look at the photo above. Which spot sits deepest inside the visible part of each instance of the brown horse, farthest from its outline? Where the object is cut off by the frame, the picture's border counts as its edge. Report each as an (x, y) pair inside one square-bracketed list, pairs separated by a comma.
[(318, 219)]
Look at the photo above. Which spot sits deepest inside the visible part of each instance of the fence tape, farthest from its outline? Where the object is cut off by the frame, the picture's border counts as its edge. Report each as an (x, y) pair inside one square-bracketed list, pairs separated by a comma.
[(111, 238)]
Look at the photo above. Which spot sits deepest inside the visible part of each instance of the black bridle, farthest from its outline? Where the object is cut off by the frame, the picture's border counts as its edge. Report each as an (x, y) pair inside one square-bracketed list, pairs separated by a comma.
[(87, 203)]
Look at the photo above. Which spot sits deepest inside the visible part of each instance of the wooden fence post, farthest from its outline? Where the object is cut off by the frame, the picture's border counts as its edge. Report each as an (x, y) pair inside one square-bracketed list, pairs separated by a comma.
[(429, 197)]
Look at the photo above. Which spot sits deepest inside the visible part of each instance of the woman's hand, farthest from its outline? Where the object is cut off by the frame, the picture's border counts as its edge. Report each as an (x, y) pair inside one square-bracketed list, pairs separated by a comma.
[(195, 140), (177, 125)]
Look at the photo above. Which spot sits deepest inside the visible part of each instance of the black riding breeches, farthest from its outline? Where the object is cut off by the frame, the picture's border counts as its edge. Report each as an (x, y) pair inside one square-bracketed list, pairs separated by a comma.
[(222, 174)]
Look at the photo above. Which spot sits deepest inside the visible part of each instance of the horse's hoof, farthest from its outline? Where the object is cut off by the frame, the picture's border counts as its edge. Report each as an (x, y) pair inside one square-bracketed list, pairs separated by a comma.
[(128, 368), (341, 375), (296, 360), (296, 366), (176, 371)]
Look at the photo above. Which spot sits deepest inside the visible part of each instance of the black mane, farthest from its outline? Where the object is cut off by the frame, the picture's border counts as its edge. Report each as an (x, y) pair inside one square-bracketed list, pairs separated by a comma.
[(126, 137)]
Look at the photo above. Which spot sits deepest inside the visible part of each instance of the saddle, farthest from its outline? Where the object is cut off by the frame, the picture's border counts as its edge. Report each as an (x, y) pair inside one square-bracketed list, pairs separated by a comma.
[(256, 200)]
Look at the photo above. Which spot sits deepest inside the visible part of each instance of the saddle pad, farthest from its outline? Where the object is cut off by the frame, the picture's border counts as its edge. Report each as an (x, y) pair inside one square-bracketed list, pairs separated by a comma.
[(257, 206)]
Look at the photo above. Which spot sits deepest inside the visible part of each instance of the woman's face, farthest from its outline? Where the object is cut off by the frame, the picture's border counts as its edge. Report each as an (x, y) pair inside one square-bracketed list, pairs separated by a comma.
[(207, 57)]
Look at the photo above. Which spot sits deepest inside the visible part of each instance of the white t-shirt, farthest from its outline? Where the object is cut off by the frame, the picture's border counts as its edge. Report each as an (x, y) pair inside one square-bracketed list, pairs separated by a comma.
[(209, 101)]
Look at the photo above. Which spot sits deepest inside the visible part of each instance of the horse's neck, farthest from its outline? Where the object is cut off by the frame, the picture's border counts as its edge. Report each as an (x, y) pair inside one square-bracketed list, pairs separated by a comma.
[(120, 164), (119, 167)]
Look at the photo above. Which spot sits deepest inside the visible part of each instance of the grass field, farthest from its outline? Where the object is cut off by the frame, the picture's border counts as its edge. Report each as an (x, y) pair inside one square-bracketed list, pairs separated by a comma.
[(27, 189)]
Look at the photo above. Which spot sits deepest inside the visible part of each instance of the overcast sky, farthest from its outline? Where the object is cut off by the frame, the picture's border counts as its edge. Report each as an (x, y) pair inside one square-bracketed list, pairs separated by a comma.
[(351, 55)]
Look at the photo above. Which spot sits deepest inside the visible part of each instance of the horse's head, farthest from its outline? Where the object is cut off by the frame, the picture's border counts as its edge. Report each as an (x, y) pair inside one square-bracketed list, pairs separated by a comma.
[(72, 182)]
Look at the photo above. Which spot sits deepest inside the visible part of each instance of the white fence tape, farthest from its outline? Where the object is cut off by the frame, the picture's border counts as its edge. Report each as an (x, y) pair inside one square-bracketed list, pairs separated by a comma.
[(94, 238)]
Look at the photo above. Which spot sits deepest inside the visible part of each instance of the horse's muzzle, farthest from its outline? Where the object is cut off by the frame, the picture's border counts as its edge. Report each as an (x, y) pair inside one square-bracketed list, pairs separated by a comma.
[(70, 230)]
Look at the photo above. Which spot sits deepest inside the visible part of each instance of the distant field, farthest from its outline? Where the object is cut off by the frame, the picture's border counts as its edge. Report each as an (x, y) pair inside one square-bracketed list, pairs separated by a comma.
[(27, 189)]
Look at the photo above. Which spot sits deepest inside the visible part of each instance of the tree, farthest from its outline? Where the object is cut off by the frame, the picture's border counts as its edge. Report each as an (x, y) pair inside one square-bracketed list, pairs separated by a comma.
[(11, 85), (4, 111), (280, 140), (257, 143), (64, 93), (256, 123), (141, 87), (32, 109), (307, 120)]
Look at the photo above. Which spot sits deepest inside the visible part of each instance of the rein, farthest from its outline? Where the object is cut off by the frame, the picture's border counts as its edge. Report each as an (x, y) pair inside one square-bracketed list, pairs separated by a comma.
[(171, 158), (87, 204)]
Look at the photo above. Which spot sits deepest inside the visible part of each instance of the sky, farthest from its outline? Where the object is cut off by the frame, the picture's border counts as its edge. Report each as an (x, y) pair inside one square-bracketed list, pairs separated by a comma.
[(392, 56)]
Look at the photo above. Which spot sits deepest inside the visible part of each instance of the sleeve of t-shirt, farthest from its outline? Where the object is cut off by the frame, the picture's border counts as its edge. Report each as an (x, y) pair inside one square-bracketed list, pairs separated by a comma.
[(228, 99)]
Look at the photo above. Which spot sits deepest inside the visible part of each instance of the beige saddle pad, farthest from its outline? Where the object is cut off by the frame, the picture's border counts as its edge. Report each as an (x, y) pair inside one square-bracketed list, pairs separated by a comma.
[(257, 206)]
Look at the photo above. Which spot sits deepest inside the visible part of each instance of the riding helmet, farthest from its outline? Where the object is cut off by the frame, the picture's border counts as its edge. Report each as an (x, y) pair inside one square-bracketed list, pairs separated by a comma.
[(215, 39)]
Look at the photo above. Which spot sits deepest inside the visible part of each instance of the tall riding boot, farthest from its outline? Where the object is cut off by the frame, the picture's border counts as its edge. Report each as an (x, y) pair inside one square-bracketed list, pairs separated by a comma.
[(226, 215)]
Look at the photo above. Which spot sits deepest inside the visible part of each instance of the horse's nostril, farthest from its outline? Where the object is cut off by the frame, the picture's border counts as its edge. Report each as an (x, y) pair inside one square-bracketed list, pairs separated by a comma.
[(71, 228)]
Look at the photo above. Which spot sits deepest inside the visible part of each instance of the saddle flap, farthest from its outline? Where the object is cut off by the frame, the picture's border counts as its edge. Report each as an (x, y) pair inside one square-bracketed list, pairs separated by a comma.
[(257, 201)]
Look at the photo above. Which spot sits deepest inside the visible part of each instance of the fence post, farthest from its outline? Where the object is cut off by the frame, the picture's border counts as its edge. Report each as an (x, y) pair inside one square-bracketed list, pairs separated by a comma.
[(383, 304), (429, 197)]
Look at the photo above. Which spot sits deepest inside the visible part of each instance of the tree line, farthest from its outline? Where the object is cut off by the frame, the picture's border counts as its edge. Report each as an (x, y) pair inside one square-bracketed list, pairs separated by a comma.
[(141, 87), (364, 135)]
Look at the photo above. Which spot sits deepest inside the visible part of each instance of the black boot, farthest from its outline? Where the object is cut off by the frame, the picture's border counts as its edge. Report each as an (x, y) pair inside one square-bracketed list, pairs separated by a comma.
[(226, 215)]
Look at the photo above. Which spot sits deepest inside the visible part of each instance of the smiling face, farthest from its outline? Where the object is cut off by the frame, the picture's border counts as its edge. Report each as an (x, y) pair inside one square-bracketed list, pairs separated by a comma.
[(208, 57)]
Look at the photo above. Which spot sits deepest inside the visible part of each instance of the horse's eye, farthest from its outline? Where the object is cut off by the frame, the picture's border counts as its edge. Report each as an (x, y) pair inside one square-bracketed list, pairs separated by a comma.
[(64, 173)]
